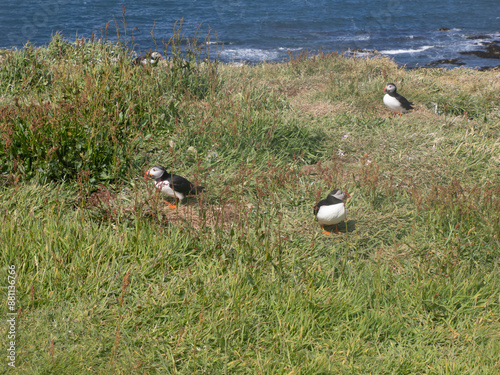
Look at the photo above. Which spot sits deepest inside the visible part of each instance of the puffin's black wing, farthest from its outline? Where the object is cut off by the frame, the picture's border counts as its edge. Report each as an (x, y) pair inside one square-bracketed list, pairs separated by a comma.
[(138, 60), (197, 190), (318, 205), (180, 184), (404, 102)]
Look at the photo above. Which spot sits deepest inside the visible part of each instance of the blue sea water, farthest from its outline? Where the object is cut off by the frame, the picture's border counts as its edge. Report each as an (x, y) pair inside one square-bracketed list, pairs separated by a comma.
[(257, 30)]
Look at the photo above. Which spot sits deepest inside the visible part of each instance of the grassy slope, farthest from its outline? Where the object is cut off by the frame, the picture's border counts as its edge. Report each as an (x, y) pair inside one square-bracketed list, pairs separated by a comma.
[(110, 281)]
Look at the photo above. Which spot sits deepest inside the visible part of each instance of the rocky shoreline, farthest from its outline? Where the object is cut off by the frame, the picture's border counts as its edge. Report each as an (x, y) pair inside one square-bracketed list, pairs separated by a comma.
[(490, 50)]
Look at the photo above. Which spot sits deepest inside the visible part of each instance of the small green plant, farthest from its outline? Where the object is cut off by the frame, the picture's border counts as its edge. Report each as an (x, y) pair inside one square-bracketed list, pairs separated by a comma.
[(25, 72), (193, 72)]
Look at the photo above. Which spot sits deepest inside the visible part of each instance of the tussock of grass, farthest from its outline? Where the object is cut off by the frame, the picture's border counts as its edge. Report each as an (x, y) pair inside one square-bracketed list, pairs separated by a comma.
[(240, 279), (81, 107)]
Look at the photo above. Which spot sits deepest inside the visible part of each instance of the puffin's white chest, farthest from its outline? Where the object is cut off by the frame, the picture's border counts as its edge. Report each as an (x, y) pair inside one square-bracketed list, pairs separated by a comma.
[(333, 214), (164, 187), (393, 104)]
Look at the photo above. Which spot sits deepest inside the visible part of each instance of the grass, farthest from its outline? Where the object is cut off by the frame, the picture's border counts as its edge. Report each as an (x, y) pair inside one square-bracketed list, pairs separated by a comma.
[(241, 280)]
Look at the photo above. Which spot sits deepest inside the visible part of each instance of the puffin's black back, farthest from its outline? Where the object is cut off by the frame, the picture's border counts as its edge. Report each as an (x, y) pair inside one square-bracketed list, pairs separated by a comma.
[(328, 201), (138, 60), (404, 102), (178, 183), (181, 184)]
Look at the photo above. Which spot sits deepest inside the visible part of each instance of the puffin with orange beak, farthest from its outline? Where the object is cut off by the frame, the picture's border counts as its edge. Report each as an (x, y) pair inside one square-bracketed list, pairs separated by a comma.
[(331, 210), (171, 184), (394, 101)]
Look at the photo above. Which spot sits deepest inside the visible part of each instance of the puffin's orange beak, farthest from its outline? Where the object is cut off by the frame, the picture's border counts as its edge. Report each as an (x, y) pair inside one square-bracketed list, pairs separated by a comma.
[(347, 195), (383, 90), (146, 175)]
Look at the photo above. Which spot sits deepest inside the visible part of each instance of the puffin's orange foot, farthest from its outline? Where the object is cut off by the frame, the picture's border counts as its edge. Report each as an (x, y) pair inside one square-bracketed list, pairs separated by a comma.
[(336, 231), (170, 205), (325, 231)]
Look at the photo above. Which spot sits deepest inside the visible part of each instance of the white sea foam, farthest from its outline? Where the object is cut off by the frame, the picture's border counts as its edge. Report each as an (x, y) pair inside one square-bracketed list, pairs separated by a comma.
[(402, 51), (249, 54), (352, 38), (361, 37), (290, 49)]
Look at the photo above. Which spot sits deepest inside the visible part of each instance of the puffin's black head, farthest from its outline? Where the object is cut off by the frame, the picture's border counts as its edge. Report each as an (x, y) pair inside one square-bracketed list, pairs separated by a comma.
[(340, 195), (390, 88), (155, 172)]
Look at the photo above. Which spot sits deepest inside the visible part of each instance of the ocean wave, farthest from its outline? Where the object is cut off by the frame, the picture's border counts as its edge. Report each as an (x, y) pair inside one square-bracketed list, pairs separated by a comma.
[(352, 38), (403, 51), (249, 54), (290, 49)]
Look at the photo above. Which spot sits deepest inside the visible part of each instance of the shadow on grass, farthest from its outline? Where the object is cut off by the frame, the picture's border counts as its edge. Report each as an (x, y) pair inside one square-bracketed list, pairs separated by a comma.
[(343, 227)]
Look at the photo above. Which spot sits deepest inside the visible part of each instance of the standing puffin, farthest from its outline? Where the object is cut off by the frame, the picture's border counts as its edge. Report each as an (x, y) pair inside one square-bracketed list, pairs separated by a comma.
[(150, 58), (331, 210), (171, 184), (395, 101)]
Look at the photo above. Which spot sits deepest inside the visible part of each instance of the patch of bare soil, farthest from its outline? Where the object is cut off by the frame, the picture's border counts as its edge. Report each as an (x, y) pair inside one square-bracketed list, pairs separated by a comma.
[(193, 212)]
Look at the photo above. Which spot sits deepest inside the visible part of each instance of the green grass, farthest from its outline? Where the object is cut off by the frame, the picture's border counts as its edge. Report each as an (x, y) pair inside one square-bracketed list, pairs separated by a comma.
[(109, 280)]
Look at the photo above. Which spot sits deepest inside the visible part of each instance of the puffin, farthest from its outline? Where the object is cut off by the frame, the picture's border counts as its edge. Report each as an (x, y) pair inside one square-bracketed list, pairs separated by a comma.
[(331, 210), (150, 58), (395, 101), (171, 184)]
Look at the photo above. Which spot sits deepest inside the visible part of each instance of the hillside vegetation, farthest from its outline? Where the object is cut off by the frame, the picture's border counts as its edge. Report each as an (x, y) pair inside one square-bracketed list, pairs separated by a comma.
[(109, 280)]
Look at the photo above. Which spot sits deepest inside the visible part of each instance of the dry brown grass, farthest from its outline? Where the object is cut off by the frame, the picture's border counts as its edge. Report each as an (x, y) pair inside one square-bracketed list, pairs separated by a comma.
[(317, 108), (4, 54), (329, 85), (194, 213)]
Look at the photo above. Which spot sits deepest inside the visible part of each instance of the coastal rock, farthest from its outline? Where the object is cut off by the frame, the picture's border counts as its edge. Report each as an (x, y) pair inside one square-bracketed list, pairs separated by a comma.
[(474, 37), (456, 62), (492, 51), (360, 51), (444, 29), (486, 68)]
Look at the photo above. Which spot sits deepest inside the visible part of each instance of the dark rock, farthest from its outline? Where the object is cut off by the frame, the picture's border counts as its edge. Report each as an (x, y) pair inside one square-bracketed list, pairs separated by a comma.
[(492, 52), (446, 62), (361, 50), (443, 29), (474, 37), (486, 68)]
